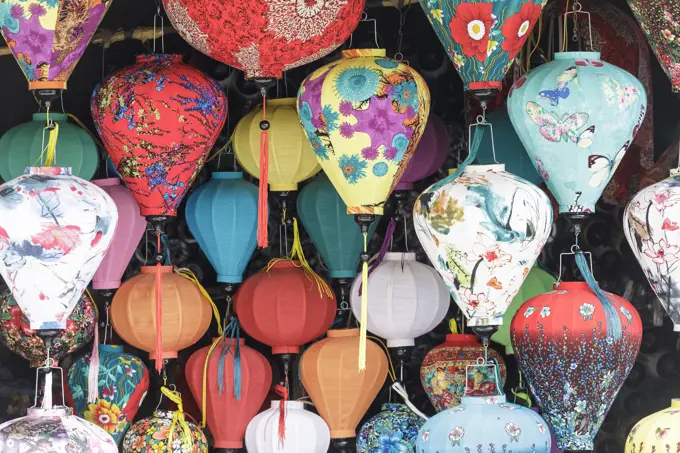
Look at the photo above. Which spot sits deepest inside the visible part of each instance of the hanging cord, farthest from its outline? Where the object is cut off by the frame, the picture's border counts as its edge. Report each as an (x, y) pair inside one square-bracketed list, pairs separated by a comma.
[(93, 370), (159, 309), (391, 227), (189, 275), (363, 332), (397, 387), (219, 152), (178, 419), (537, 41), (263, 208)]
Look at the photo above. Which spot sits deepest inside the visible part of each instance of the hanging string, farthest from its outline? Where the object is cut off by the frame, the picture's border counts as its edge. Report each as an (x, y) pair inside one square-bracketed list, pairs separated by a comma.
[(263, 208), (189, 275), (82, 126), (397, 387), (159, 309), (178, 420), (390, 365), (364, 308), (219, 152), (93, 370), (611, 315), (389, 233), (233, 333)]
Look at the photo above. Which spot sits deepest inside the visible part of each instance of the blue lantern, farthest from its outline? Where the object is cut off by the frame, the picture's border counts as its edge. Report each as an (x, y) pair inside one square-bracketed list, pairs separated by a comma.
[(333, 231), (222, 216), (393, 429)]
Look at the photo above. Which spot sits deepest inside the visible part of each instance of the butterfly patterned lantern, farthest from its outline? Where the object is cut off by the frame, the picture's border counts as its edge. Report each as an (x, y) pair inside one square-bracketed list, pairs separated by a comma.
[(483, 38), (54, 231), (577, 113)]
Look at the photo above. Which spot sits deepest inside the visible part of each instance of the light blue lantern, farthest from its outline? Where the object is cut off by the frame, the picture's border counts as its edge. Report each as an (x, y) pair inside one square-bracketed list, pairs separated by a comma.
[(576, 117), (222, 216), (486, 425), (394, 429)]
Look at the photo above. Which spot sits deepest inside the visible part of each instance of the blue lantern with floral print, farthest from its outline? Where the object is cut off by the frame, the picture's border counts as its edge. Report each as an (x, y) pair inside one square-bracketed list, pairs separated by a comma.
[(394, 430)]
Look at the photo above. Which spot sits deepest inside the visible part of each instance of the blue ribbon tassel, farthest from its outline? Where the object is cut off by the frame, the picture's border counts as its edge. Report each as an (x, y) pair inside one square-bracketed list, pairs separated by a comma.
[(231, 333), (612, 316)]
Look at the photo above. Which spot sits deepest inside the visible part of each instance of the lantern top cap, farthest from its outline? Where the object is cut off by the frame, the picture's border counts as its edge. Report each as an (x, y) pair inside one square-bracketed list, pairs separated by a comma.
[(53, 116), (281, 101), (572, 285), (483, 168), (337, 333), (573, 55), (227, 175), (110, 348), (56, 411), (152, 269), (353, 53), (107, 182), (482, 400), (173, 58), (398, 256), (675, 403), (285, 264), (462, 339), (296, 405), (48, 171)]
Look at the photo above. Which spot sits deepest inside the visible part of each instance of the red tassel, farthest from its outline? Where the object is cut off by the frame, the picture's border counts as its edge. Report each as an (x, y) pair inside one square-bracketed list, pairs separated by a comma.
[(159, 313), (283, 391), (263, 210)]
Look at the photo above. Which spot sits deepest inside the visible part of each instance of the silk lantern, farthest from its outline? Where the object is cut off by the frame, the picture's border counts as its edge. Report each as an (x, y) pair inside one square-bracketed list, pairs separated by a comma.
[(283, 307), (483, 231), (580, 113), (222, 216), (429, 156), (573, 363), (227, 414), (158, 119), (483, 38), (660, 21), (655, 432), (126, 238), (408, 299), (444, 370), (54, 231), (152, 433), (340, 394), (305, 432), (393, 429), (23, 145)]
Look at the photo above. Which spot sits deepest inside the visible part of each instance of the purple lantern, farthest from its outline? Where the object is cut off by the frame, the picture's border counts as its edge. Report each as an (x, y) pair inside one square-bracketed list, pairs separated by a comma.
[(429, 155)]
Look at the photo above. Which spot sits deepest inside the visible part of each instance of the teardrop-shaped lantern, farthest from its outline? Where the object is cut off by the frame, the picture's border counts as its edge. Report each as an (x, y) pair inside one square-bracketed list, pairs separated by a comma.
[(656, 432), (483, 231), (483, 38), (430, 154), (574, 365), (222, 216), (54, 231), (578, 113), (393, 429), (152, 433), (158, 119)]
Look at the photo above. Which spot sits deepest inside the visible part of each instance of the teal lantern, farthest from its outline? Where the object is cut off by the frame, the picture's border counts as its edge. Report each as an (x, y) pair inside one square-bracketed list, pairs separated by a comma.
[(394, 429), (22, 146), (222, 216), (333, 231)]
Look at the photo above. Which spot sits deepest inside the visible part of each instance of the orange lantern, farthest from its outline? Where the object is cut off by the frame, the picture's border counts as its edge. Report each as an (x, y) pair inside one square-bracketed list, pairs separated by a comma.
[(329, 373)]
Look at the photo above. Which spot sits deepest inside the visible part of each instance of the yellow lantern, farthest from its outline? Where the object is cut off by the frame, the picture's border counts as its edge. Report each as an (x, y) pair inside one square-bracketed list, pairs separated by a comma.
[(656, 433)]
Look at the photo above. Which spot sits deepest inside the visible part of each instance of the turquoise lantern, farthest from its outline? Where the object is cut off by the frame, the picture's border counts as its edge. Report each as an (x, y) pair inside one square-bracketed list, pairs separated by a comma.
[(333, 231), (222, 216), (394, 429), (576, 117), (22, 146)]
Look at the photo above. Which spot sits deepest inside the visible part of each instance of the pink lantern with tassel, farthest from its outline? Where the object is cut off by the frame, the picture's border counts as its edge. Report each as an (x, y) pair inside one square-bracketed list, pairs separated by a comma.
[(429, 155)]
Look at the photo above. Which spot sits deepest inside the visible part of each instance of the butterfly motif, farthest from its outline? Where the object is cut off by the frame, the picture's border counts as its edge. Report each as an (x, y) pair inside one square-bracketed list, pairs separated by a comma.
[(603, 167), (585, 138), (587, 62), (517, 86), (494, 283), (555, 95), (669, 225), (661, 433), (554, 129)]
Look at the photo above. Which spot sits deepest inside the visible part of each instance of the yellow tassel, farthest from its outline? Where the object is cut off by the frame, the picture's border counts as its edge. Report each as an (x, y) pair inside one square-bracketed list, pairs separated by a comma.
[(453, 326), (364, 309), (189, 275), (204, 399), (177, 419), (48, 154)]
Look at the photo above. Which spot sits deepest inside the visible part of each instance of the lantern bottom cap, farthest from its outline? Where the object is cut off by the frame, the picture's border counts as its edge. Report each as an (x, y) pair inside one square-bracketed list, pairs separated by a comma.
[(343, 274), (114, 284), (404, 185), (283, 187), (166, 355), (401, 343), (46, 85), (676, 327), (342, 433), (228, 443), (492, 85), (285, 350), (229, 278), (584, 209), (484, 322)]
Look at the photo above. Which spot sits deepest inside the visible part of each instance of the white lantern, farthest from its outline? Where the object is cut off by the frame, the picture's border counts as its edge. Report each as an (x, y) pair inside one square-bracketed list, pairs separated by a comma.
[(407, 299), (306, 432)]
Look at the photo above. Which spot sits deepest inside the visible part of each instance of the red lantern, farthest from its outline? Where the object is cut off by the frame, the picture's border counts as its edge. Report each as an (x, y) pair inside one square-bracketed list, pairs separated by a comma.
[(283, 307), (227, 416)]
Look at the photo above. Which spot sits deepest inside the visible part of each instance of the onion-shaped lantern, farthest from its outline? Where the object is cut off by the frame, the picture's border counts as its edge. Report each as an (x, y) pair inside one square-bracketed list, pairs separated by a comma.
[(153, 434), (655, 432), (394, 428)]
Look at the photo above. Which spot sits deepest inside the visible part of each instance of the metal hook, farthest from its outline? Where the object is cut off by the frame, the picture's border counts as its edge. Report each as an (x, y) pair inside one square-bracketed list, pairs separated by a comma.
[(482, 362), (577, 9), (482, 122), (155, 17), (364, 18), (574, 250)]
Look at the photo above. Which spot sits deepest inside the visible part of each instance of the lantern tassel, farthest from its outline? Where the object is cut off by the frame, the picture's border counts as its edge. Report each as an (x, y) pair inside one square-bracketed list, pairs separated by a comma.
[(383, 249), (296, 253), (177, 419), (189, 275), (263, 208), (159, 311), (93, 371), (234, 333), (364, 309), (283, 392), (611, 315)]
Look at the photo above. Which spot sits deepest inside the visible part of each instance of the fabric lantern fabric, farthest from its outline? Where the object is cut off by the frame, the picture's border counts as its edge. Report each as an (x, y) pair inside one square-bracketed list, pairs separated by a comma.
[(228, 416), (329, 374), (282, 307), (483, 38), (506, 425), (122, 385), (562, 112), (158, 119), (305, 432), (553, 442), (54, 231), (48, 38), (151, 434), (129, 232), (16, 334), (394, 429), (430, 154), (364, 116), (222, 216), (483, 232), (655, 432), (22, 146), (537, 282), (186, 313), (444, 369), (263, 38), (332, 230), (407, 299), (573, 388)]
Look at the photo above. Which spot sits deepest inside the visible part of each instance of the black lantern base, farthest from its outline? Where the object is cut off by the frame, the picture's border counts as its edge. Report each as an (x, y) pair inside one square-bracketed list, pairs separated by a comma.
[(485, 332), (346, 445)]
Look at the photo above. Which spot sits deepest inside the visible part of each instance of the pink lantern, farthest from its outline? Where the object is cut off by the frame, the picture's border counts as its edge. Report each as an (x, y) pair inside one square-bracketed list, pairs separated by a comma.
[(126, 238), (429, 155)]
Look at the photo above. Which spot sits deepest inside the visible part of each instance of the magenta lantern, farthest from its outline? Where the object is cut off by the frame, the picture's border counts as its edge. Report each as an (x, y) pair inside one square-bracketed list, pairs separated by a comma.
[(429, 155)]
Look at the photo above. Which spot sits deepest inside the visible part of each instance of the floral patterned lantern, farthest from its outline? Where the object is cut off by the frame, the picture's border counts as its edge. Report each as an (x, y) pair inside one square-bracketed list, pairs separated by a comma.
[(153, 434), (443, 370), (655, 433), (575, 366), (483, 231), (393, 429), (483, 38)]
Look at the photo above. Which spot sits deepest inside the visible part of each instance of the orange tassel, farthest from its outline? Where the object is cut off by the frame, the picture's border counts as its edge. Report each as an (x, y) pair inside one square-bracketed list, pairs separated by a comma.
[(283, 391), (159, 312), (263, 209)]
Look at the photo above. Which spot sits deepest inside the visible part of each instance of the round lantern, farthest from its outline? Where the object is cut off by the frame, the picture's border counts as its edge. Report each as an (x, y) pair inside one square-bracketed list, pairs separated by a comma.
[(429, 156), (17, 335), (340, 394), (23, 145), (186, 313), (222, 216), (393, 429), (572, 362), (122, 385), (578, 113), (332, 230), (484, 424), (158, 120), (126, 238), (227, 414), (151, 434), (54, 231), (283, 307), (650, 223), (483, 232), (407, 299), (444, 369), (305, 432), (655, 433)]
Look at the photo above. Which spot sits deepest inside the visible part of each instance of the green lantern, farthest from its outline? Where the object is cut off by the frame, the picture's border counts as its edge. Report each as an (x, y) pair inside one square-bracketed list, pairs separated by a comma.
[(22, 145)]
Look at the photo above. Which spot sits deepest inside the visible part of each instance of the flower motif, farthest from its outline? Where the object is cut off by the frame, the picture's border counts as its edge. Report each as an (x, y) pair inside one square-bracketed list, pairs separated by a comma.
[(587, 311), (493, 45), (104, 414), (456, 435), (541, 170), (517, 27), (346, 130), (346, 108), (664, 199), (669, 225), (545, 312), (470, 27), (660, 252), (474, 300), (406, 94), (109, 392), (661, 433), (400, 142), (668, 34), (514, 431), (426, 435), (317, 145), (529, 311), (393, 443), (492, 254), (458, 60), (580, 406), (540, 427), (329, 118), (438, 14), (353, 167), (357, 84)]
